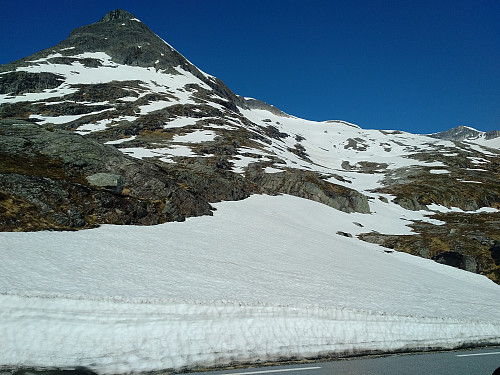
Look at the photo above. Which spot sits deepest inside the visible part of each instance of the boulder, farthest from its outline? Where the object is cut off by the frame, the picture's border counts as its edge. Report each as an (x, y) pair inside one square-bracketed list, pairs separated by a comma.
[(112, 182)]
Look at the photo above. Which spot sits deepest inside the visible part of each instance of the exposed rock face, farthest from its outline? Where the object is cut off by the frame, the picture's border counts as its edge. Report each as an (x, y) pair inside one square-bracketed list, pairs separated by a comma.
[(455, 259), (61, 180), (16, 83), (492, 134), (118, 14), (309, 185)]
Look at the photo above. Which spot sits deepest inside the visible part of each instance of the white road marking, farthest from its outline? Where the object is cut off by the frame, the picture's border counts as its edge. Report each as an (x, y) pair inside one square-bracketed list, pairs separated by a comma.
[(270, 371), (470, 355)]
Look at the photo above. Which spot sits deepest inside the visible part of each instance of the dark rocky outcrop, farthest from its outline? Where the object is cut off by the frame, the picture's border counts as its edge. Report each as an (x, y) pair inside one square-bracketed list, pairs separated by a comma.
[(17, 83), (61, 180), (492, 134), (455, 259), (212, 179)]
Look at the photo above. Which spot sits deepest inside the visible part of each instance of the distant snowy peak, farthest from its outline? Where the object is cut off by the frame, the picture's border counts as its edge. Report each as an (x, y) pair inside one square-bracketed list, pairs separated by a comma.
[(465, 133), (459, 133)]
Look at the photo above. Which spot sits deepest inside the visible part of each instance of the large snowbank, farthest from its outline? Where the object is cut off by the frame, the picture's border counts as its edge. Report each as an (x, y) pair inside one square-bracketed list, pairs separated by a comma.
[(263, 278)]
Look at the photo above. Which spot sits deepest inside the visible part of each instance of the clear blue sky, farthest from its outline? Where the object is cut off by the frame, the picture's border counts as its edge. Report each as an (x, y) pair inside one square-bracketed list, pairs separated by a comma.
[(420, 66)]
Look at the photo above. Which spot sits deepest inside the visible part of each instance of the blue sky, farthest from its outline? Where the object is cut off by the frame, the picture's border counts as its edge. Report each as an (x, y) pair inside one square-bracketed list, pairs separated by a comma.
[(419, 66)]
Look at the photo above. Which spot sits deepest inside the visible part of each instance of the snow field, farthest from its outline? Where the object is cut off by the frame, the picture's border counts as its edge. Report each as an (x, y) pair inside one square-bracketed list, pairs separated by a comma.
[(264, 278), (154, 106), (180, 122), (326, 142), (120, 337)]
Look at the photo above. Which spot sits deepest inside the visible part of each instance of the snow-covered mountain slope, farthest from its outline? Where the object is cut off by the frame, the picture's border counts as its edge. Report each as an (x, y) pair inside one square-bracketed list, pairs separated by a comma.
[(257, 281), (114, 126)]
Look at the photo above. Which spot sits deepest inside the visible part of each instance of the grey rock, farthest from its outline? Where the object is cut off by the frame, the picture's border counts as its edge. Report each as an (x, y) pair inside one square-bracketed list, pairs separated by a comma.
[(410, 203), (344, 234), (58, 177), (17, 83), (492, 134), (113, 182), (310, 186), (459, 133), (456, 259)]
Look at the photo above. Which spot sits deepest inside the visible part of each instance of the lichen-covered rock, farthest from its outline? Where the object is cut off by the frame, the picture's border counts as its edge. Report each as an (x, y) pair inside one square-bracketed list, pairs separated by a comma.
[(113, 182)]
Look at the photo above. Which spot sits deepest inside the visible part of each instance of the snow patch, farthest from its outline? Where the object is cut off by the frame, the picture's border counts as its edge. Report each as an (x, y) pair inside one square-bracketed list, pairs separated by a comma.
[(439, 171), (154, 106), (102, 124), (197, 136), (174, 150), (64, 119), (122, 140)]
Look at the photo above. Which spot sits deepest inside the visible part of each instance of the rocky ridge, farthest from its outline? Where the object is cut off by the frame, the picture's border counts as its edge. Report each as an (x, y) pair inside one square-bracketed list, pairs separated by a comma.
[(462, 133), (115, 126)]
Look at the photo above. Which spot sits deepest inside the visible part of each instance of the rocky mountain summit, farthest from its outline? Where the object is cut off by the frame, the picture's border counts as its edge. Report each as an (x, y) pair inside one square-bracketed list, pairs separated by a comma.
[(463, 133), (114, 126)]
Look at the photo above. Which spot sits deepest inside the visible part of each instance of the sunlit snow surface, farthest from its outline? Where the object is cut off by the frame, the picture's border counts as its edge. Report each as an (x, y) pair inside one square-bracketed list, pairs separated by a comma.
[(263, 278)]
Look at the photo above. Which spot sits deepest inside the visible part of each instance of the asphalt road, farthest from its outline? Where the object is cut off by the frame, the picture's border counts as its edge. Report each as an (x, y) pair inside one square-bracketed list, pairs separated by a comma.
[(465, 362)]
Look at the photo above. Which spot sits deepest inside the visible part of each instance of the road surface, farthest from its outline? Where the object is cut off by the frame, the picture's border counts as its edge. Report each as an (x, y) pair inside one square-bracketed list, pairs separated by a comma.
[(465, 362)]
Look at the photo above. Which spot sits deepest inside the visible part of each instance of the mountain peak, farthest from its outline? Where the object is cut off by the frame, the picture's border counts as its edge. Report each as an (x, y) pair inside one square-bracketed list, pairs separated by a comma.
[(118, 14), (458, 133)]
